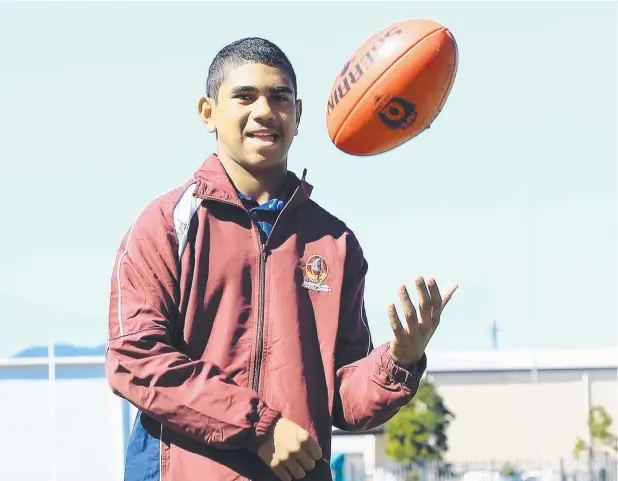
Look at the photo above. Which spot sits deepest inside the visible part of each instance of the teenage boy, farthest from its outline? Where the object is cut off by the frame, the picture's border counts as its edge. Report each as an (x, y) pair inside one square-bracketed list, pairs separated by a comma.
[(237, 324)]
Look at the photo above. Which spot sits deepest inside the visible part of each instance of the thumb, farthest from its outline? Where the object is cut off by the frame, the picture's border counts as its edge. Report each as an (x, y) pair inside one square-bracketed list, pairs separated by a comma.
[(448, 295)]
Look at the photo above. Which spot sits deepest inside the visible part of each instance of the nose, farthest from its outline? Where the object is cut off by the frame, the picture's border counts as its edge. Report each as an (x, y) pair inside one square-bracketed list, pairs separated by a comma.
[(261, 109)]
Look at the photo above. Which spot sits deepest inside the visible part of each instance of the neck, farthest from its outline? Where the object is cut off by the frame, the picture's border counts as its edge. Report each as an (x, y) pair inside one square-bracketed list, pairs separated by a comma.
[(260, 184)]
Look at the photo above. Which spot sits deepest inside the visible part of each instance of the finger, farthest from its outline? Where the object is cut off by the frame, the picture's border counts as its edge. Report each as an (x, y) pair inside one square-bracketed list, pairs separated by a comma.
[(424, 301), (409, 310), (295, 469), (282, 473), (436, 299), (393, 319), (305, 460), (448, 295), (312, 448)]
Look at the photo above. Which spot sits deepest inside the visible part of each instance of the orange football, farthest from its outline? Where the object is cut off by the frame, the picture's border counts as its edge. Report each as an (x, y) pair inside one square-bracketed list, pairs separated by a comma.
[(392, 88)]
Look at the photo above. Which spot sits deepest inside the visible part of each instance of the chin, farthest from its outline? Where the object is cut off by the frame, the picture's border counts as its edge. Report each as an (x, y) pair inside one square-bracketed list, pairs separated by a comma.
[(257, 160)]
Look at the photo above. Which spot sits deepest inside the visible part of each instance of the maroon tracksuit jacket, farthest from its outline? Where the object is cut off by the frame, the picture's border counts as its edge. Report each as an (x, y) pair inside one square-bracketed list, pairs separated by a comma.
[(213, 334)]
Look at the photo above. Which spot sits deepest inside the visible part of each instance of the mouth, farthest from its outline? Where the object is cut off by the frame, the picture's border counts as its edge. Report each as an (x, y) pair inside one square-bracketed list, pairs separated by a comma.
[(263, 137)]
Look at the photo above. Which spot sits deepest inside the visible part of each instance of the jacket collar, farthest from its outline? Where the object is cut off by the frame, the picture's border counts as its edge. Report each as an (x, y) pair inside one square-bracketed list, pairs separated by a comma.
[(214, 183)]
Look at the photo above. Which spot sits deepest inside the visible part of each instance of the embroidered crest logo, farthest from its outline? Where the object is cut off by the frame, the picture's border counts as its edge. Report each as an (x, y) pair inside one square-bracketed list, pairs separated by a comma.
[(316, 272)]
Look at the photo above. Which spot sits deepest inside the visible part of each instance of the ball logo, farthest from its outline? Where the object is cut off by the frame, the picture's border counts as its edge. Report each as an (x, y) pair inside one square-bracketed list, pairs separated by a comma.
[(316, 269), (346, 67), (398, 113), (357, 66)]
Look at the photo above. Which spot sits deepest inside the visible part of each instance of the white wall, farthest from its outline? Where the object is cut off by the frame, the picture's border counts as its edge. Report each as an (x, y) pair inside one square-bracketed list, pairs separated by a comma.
[(86, 444), (506, 416)]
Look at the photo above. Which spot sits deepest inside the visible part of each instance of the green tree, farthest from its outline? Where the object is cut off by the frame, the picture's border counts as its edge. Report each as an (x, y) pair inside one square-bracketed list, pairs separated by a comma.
[(418, 431), (599, 424), (509, 470), (579, 447)]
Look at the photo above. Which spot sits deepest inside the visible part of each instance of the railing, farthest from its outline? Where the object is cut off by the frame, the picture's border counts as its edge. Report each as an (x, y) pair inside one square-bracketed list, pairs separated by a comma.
[(602, 468)]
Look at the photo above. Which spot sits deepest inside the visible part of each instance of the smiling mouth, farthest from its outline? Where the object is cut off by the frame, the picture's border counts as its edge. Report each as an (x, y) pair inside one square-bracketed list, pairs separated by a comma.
[(264, 137)]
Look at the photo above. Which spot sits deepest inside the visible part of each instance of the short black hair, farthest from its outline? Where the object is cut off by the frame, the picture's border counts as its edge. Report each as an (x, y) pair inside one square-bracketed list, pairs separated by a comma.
[(246, 50)]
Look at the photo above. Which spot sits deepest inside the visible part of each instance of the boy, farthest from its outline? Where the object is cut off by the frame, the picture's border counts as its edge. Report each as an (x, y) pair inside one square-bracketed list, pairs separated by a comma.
[(237, 325)]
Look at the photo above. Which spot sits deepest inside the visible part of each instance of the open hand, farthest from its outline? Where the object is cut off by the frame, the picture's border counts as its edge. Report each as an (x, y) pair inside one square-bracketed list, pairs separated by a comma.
[(289, 451), (409, 343)]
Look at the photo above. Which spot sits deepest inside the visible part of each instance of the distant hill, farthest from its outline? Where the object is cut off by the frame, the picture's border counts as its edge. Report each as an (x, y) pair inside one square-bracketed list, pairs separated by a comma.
[(30, 331), (62, 350)]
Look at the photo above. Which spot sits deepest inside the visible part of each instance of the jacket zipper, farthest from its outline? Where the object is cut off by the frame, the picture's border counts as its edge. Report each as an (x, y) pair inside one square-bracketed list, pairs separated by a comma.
[(259, 344), (259, 341)]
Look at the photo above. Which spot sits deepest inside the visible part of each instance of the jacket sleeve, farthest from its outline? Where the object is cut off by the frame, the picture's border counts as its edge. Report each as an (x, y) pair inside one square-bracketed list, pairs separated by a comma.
[(370, 387), (191, 396)]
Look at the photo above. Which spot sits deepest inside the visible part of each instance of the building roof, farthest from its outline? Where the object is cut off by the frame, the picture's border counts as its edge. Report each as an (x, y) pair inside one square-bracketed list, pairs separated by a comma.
[(522, 360)]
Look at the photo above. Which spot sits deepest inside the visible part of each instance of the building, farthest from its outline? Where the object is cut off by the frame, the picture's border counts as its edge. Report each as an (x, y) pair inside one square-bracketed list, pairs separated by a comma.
[(516, 406), (64, 424)]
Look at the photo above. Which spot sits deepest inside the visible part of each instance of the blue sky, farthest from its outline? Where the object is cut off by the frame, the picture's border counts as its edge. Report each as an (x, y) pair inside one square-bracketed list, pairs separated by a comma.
[(512, 193)]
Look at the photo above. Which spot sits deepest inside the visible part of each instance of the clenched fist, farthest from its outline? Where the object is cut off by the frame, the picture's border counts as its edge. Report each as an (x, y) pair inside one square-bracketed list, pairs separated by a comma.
[(289, 450)]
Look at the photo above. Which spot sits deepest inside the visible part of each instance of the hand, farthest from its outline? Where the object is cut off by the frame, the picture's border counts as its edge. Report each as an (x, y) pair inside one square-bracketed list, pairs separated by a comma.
[(409, 344), (289, 450)]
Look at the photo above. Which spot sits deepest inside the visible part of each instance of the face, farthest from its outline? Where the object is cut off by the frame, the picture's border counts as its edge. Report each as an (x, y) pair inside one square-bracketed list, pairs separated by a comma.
[(255, 116)]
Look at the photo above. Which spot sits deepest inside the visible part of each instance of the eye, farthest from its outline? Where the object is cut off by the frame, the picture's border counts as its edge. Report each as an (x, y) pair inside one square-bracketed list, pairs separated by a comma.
[(245, 97)]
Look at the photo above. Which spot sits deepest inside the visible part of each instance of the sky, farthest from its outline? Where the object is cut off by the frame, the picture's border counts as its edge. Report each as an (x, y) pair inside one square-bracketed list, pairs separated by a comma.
[(511, 193)]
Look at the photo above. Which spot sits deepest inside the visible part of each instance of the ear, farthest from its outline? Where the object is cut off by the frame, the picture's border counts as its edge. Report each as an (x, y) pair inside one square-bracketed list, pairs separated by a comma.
[(204, 108), (299, 112)]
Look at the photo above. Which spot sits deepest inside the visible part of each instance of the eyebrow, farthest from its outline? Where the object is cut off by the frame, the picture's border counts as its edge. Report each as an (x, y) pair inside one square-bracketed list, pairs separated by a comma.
[(246, 88)]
